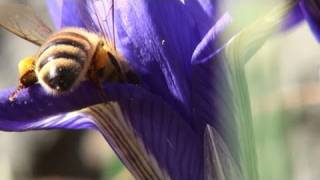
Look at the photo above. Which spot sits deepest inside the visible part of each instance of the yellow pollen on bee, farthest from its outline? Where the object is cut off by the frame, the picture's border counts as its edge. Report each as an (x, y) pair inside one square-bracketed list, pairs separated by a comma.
[(27, 74), (26, 65)]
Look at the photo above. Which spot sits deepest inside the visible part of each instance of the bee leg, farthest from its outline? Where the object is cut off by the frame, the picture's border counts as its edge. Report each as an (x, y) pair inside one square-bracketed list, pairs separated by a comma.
[(94, 75), (102, 92), (25, 81), (15, 93), (27, 76)]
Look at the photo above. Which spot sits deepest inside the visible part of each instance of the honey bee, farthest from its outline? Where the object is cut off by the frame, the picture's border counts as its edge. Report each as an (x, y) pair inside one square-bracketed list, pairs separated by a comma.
[(66, 57)]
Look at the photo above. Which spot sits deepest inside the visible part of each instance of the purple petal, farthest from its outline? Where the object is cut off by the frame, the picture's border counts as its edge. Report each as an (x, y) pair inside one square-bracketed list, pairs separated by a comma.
[(155, 37), (293, 18), (219, 163), (69, 13), (163, 52), (158, 39), (311, 11), (71, 9), (211, 92), (55, 12), (207, 48), (209, 7), (204, 13), (34, 103), (35, 109), (163, 133), (212, 100), (62, 121)]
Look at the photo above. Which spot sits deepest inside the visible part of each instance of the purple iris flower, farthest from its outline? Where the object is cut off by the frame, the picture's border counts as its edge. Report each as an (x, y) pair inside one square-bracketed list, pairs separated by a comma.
[(172, 47), (310, 11)]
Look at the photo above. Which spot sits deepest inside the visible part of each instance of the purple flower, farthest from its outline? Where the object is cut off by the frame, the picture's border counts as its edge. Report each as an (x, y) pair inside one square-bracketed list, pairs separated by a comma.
[(308, 10), (172, 46)]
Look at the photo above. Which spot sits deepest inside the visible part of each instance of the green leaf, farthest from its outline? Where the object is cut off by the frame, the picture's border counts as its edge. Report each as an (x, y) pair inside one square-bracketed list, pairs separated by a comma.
[(237, 53)]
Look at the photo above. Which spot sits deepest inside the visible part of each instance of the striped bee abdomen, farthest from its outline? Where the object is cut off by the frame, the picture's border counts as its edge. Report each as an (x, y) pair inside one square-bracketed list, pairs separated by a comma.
[(63, 61)]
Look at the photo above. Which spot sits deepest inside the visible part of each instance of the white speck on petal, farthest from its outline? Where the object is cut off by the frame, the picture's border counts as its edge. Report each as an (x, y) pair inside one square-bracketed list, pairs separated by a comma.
[(183, 1)]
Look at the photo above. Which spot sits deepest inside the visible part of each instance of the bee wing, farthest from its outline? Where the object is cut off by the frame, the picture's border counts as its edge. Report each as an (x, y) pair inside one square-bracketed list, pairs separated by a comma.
[(21, 20), (102, 16)]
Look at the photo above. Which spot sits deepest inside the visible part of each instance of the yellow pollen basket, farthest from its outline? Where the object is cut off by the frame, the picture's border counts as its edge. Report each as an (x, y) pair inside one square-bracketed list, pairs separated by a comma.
[(27, 74)]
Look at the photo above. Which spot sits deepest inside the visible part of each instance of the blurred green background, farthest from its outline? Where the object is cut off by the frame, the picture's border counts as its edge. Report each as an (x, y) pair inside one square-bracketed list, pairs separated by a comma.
[(283, 80)]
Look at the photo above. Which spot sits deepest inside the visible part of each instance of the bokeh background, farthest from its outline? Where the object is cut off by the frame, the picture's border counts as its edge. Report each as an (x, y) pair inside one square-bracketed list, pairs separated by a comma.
[(284, 87)]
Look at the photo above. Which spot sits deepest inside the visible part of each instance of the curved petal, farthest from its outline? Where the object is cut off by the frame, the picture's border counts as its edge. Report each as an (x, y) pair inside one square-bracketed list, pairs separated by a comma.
[(209, 85), (165, 136), (62, 121), (209, 7), (158, 39), (215, 82), (35, 109), (207, 48), (293, 18), (212, 100), (34, 103), (219, 163), (311, 11), (204, 13), (141, 127)]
